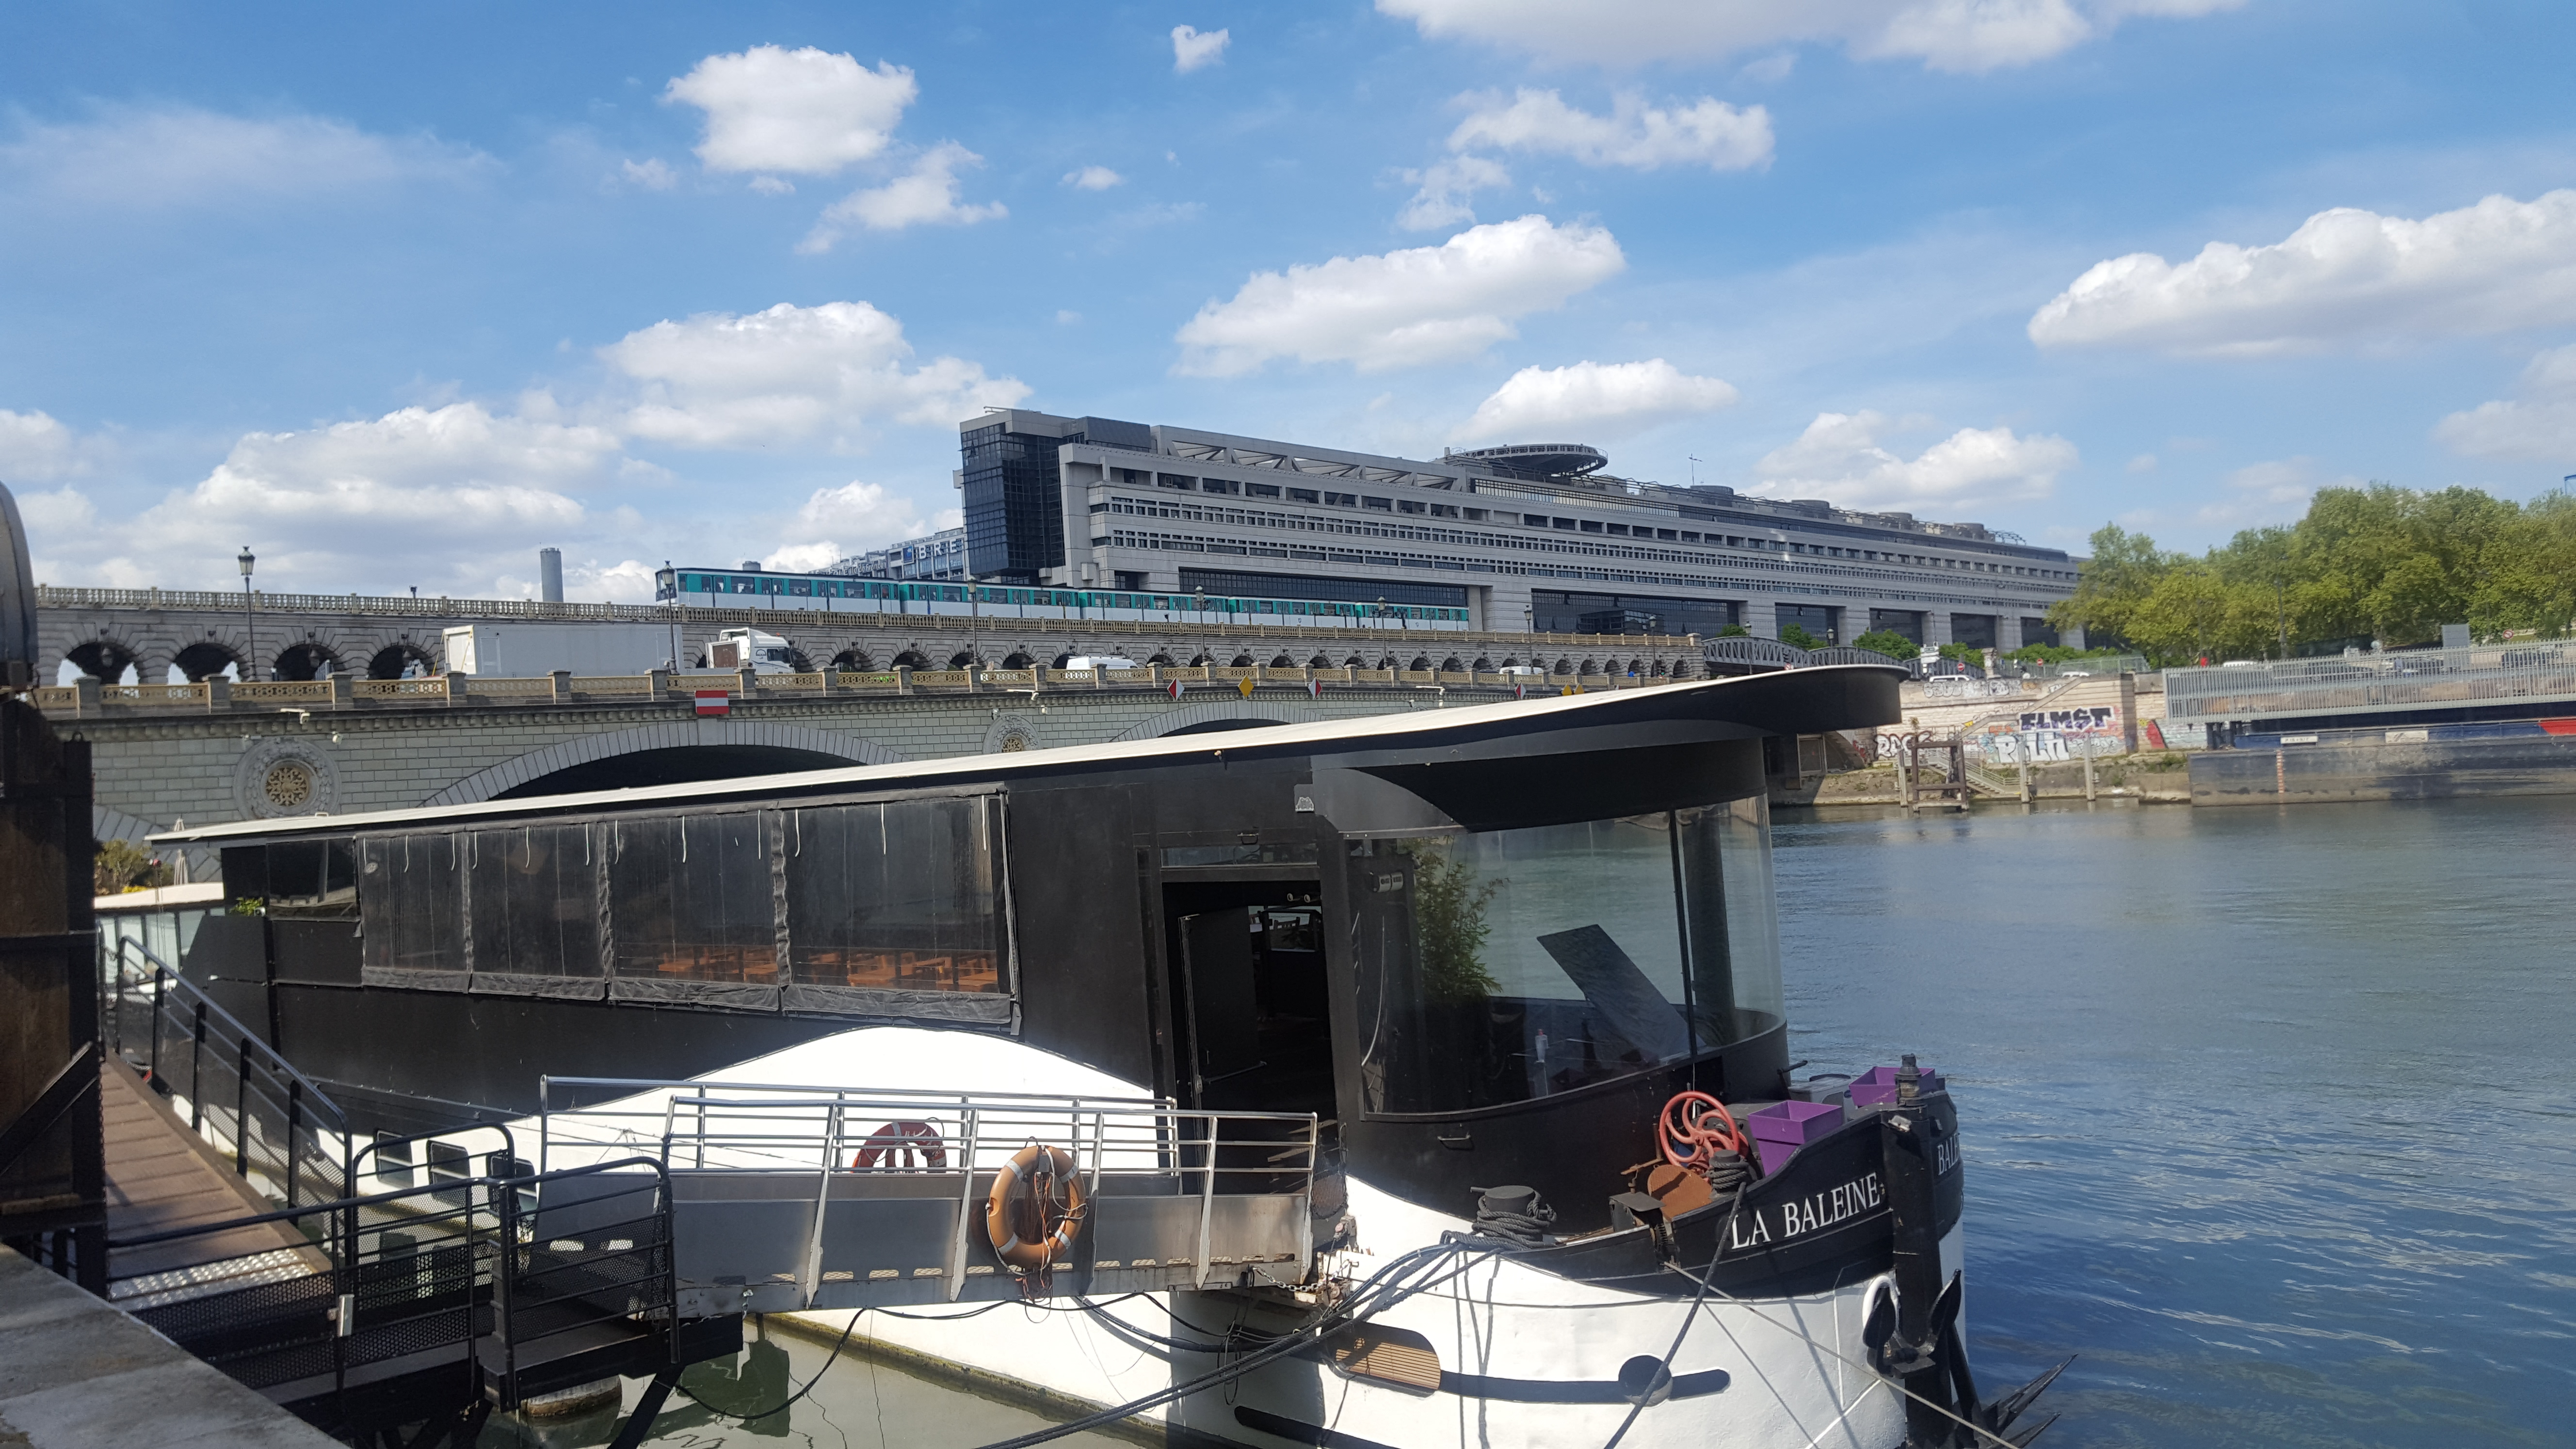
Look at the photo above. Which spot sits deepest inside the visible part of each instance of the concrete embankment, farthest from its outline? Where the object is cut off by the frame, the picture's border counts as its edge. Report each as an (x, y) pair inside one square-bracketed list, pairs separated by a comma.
[(2161, 778), (75, 1372), (2384, 765)]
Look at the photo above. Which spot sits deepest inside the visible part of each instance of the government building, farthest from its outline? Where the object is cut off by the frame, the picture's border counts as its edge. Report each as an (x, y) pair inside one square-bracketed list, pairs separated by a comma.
[(1531, 537)]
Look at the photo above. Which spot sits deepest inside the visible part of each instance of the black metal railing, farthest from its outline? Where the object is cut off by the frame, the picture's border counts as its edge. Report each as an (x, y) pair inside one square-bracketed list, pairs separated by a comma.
[(446, 1289), (280, 1132)]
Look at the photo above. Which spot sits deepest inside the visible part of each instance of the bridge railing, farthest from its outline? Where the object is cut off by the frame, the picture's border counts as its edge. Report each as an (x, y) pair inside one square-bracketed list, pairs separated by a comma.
[(90, 697)]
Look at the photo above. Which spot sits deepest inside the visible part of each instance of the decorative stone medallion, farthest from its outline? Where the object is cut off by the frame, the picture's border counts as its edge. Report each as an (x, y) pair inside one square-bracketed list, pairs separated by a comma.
[(278, 778), (1011, 733)]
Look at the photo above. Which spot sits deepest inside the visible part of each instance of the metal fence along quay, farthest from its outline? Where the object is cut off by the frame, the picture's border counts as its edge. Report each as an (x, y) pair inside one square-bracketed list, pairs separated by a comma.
[(2374, 683)]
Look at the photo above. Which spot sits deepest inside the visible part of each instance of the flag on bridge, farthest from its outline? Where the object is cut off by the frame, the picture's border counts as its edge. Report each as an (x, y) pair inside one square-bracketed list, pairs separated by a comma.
[(1315, 689), (1243, 687), (1173, 688), (714, 701)]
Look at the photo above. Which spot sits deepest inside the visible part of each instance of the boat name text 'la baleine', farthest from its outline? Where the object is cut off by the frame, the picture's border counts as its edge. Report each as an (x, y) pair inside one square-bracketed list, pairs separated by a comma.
[(1801, 1216)]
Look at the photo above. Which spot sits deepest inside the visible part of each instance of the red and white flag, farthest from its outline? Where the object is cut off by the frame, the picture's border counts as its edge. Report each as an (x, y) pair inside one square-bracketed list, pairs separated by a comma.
[(1315, 688), (1174, 688), (714, 701)]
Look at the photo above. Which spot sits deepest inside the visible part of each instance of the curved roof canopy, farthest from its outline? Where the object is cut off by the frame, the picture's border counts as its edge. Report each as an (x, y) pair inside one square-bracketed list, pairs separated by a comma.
[(1521, 732)]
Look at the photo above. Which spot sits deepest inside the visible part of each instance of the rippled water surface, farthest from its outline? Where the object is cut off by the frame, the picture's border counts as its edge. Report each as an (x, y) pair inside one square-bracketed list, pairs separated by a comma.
[(2270, 1114)]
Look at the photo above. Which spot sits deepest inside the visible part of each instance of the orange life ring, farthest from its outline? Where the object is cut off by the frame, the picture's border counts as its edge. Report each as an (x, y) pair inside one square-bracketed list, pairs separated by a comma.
[(1036, 1208), (903, 1144)]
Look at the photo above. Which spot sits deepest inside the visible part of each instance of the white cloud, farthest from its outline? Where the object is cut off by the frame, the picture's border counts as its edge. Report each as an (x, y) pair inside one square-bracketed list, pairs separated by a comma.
[(807, 111), (1948, 35), (454, 493), (1403, 308), (1770, 69), (2539, 426), (1593, 401), (1839, 458), (33, 446), (186, 156), (773, 186), (2271, 492), (1707, 133), (2345, 275), (792, 374), (835, 523), (1193, 49), (1441, 199), (2143, 463), (1094, 178), (926, 195), (651, 174)]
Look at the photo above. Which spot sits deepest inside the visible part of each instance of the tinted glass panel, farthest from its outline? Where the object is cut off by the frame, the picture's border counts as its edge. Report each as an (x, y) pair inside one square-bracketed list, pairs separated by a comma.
[(1505, 965), (899, 896), (691, 900), (411, 909), (536, 900)]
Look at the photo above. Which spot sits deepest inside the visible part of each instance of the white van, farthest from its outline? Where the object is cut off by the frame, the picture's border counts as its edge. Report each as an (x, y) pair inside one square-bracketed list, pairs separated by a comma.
[(1100, 661)]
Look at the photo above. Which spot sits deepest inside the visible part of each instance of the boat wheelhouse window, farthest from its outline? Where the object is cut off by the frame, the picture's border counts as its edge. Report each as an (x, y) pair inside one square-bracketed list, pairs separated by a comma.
[(313, 878), (533, 909), (691, 910), (410, 898), (895, 909), (1500, 966)]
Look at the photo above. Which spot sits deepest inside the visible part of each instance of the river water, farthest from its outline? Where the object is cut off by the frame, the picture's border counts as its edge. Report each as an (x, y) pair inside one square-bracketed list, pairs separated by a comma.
[(2270, 1116)]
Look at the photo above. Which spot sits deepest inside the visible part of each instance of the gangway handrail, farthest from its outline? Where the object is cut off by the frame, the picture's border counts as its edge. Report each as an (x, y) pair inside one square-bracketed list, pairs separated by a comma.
[(191, 990), (306, 1111)]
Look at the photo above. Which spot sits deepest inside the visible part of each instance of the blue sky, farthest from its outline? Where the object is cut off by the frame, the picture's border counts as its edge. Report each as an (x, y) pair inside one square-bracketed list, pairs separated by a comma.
[(398, 297)]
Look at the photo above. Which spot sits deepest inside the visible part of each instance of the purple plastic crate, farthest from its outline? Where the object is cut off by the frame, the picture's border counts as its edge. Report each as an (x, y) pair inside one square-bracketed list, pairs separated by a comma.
[(1878, 1085), (1783, 1127)]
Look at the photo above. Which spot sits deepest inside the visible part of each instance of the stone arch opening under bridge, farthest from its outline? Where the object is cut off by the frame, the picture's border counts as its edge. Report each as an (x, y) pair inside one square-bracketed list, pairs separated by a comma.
[(666, 754)]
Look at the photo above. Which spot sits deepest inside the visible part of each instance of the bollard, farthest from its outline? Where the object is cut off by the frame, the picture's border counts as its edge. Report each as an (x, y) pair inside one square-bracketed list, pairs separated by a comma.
[(2088, 772)]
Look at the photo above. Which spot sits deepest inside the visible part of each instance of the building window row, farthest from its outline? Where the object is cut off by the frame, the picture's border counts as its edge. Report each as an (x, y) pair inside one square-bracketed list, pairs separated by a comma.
[(1178, 482), (1258, 518)]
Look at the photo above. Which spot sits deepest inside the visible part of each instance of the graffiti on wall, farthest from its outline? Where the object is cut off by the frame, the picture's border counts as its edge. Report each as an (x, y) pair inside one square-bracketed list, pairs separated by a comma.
[(2098, 719), (2049, 736)]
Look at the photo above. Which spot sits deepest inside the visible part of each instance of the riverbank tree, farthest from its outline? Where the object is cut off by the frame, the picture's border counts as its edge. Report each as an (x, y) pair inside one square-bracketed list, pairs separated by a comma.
[(2374, 563)]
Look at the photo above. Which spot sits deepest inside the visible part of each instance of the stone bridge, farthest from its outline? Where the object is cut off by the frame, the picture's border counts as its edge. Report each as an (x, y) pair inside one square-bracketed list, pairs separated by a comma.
[(165, 635), (217, 751)]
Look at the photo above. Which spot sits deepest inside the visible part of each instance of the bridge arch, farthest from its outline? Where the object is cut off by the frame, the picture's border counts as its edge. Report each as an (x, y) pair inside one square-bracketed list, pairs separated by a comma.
[(1217, 715), (105, 660), (398, 660), (780, 744), (208, 658)]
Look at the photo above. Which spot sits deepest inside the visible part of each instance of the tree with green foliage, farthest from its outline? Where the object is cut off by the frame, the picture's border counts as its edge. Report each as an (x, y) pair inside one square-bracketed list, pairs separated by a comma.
[(1889, 643), (1793, 634), (1734, 631), (2372, 563), (121, 866)]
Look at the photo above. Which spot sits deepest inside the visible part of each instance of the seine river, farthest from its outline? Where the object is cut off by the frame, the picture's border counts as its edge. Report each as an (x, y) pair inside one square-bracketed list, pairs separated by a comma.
[(2270, 1116), (2270, 1113)]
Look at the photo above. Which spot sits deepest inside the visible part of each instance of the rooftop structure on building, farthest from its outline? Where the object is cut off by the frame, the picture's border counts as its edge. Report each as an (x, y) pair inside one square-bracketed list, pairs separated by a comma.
[(1530, 536), (937, 556)]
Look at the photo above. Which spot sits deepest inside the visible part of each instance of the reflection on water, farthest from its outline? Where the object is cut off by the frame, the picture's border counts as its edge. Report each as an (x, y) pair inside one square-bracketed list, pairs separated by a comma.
[(859, 1404), (2268, 1113)]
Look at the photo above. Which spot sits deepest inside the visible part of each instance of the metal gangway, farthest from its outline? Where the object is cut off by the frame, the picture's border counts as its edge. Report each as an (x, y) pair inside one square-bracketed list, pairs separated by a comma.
[(789, 1197)]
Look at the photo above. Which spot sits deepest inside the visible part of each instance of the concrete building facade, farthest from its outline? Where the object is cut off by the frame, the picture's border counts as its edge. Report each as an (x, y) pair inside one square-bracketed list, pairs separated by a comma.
[(1533, 538)]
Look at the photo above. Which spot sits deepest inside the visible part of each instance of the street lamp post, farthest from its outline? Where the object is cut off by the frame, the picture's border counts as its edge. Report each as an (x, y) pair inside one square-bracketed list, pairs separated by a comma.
[(250, 625)]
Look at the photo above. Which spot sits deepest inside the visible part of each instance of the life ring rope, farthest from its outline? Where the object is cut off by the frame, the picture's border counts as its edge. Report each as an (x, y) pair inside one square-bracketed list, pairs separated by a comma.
[(1039, 1190)]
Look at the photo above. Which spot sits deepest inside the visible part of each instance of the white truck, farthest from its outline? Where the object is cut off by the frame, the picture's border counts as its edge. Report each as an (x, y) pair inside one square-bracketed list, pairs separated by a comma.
[(534, 650), (763, 653)]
